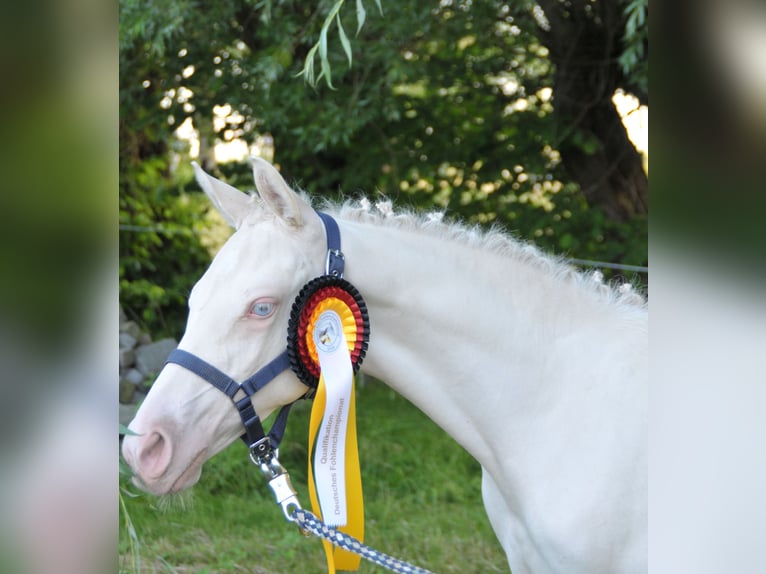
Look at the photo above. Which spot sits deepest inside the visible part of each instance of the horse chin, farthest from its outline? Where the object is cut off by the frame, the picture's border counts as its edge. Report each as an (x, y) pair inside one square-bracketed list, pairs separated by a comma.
[(166, 485)]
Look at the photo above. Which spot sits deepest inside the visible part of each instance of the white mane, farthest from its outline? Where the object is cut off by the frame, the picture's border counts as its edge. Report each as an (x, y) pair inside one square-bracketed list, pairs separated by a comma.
[(495, 240)]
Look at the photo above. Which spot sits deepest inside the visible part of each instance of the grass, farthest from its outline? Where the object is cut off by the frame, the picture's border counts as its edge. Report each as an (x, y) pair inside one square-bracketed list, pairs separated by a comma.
[(422, 504)]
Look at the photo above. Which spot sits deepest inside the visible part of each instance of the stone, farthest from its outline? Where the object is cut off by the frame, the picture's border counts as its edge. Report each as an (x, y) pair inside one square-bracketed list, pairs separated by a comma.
[(134, 376), (127, 391), (127, 358), (144, 339), (123, 316), (127, 412), (127, 341), (150, 358), (132, 329)]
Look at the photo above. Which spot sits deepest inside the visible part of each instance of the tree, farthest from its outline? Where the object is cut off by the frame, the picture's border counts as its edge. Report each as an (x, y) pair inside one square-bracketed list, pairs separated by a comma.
[(585, 40), (450, 106), (595, 47)]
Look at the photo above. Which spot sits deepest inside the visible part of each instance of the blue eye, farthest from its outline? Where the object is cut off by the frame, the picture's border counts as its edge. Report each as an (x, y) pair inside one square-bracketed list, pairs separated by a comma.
[(262, 308)]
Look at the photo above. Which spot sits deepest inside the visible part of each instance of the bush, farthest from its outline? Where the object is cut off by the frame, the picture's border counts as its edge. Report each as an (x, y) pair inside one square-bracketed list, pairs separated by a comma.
[(163, 252)]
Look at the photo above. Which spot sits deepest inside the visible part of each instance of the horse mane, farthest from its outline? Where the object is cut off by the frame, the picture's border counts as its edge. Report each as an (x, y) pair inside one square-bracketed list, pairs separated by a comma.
[(495, 240)]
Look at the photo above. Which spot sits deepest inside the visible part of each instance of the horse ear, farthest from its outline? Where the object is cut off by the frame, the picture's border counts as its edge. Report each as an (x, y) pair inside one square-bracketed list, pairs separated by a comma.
[(232, 204), (276, 194)]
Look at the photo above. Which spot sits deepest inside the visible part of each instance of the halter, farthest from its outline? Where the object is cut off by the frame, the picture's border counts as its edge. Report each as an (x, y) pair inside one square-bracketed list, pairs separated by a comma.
[(262, 446)]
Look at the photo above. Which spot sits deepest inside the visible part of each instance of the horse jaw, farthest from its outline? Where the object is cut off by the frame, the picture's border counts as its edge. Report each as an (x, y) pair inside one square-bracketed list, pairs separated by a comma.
[(175, 437)]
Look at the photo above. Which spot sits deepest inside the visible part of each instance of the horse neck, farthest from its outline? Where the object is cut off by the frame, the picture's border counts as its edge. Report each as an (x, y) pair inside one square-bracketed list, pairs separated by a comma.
[(468, 335)]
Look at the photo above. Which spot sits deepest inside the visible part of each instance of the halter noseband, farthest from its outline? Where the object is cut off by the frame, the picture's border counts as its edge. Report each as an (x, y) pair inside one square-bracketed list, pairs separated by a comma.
[(261, 445)]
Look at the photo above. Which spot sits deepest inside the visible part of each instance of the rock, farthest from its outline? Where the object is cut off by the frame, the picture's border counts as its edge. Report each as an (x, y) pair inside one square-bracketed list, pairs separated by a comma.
[(144, 339), (132, 329), (123, 317), (127, 358), (127, 341), (134, 376), (127, 391), (127, 412), (150, 358)]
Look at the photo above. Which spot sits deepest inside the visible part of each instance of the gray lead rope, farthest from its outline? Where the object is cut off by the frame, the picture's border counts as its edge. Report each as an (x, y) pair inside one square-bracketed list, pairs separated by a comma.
[(310, 523), (287, 498)]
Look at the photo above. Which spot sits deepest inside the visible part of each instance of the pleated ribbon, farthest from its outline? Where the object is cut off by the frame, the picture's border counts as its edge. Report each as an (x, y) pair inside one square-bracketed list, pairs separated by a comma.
[(335, 482)]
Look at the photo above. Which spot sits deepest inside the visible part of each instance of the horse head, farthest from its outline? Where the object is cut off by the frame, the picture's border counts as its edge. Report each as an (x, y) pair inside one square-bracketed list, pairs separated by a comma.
[(237, 322)]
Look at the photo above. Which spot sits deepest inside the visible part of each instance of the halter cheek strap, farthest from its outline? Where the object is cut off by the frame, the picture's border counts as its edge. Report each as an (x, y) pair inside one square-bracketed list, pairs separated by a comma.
[(261, 446), (240, 394)]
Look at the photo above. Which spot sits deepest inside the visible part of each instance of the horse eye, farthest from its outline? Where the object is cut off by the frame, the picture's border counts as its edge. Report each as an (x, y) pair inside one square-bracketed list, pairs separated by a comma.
[(262, 308)]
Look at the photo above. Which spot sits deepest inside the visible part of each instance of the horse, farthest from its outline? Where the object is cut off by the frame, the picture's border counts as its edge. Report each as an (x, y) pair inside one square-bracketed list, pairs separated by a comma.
[(538, 370)]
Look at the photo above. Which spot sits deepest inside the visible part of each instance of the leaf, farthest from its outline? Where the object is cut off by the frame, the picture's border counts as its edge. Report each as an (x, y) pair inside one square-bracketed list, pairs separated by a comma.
[(324, 62), (361, 14), (380, 7), (641, 16), (308, 66), (322, 75), (344, 40), (126, 431), (323, 44), (129, 494), (124, 469), (633, 25)]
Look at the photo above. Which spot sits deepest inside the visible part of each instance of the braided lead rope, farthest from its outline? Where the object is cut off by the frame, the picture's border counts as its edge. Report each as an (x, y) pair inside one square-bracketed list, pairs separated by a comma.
[(310, 523)]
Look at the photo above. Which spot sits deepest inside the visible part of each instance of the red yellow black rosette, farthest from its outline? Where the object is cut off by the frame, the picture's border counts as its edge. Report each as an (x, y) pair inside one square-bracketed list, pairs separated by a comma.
[(338, 297), (319, 295)]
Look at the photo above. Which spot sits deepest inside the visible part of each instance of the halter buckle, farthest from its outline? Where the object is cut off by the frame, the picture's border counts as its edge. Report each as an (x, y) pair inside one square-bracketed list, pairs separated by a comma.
[(335, 263), (262, 452)]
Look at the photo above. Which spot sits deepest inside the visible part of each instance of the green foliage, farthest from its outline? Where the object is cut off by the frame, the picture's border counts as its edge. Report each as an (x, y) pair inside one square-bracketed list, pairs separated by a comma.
[(161, 252), (158, 20), (634, 60), (321, 45), (422, 503), (446, 107)]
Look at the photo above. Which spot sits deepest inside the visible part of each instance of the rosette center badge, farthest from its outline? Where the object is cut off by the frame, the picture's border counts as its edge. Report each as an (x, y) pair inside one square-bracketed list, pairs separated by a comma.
[(328, 331)]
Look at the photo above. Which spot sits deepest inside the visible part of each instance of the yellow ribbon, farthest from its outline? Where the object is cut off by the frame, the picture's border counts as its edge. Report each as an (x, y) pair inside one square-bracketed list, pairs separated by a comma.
[(336, 557)]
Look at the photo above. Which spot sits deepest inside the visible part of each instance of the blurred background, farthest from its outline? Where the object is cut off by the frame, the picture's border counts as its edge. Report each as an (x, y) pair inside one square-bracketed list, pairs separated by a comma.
[(531, 116), (474, 108)]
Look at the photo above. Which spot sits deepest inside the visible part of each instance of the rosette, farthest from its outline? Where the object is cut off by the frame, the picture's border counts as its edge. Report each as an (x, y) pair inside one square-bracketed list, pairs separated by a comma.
[(322, 294)]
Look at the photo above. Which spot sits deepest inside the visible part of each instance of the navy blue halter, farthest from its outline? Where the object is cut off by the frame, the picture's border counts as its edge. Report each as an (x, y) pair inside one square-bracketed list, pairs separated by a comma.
[(255, 438)]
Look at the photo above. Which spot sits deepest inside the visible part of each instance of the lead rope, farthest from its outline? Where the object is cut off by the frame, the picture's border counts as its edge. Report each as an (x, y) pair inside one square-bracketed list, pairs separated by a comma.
[(307, 522), (287, 497)]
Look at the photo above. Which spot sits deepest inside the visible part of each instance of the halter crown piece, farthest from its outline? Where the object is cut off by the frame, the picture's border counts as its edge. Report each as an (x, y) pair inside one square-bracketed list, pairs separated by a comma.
[(327, 337)]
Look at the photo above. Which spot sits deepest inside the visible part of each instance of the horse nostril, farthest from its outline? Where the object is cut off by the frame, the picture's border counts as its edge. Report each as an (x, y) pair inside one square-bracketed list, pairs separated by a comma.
[(154, 454)]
